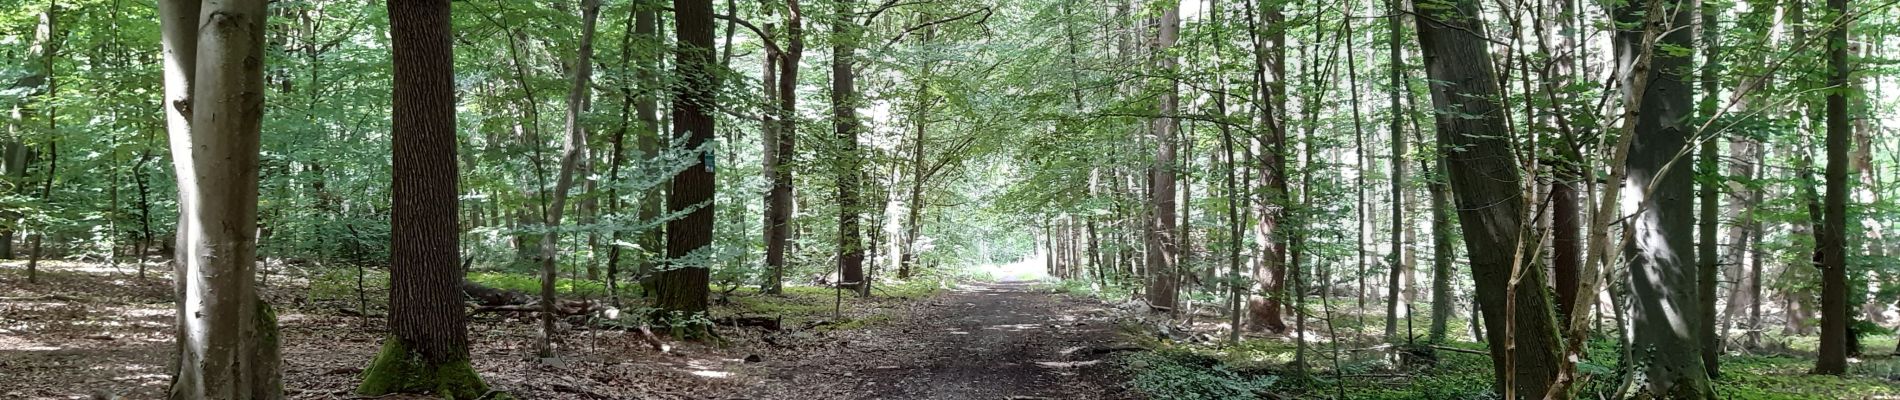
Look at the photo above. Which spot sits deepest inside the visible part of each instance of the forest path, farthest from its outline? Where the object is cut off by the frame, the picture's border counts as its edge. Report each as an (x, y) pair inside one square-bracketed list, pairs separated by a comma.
[(997, 341)]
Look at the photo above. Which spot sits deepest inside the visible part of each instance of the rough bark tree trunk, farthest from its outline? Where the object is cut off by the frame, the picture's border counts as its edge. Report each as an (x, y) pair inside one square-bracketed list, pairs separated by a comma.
[(427, 350), (682, 287)]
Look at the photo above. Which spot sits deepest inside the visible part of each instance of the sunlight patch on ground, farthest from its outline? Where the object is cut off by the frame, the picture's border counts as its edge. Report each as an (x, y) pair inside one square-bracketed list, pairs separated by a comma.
[(1032, 268), (707, 369), (1013, 327), (10, 343)]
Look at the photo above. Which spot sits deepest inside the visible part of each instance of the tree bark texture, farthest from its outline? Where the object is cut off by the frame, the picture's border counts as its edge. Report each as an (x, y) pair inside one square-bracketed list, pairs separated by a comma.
[(214, 107)]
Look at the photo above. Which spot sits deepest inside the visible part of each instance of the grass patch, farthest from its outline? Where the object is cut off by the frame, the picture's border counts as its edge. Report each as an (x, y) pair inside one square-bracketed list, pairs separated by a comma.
[(531, 284)]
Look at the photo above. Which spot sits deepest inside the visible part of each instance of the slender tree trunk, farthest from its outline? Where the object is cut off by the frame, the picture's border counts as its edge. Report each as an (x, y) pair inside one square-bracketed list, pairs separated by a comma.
[(1397, 292), (1709, 195), (427, 350), (1163, 245), (214, 106), (1832, 357), (1443, 307), (646, 23), (49, 44), (682, 287), (779, 211), (573, 158)]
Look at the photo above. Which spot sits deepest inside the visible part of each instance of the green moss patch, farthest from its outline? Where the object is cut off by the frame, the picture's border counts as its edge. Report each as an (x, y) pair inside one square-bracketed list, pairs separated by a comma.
[(400, 370)]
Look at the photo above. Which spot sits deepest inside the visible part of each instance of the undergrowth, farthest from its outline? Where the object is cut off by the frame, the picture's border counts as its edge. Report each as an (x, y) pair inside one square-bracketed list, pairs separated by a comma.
[(1365, 370)]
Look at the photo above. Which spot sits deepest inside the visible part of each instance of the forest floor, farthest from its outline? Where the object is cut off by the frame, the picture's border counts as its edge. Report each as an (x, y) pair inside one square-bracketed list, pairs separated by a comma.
[(983, 341), (89, 329)]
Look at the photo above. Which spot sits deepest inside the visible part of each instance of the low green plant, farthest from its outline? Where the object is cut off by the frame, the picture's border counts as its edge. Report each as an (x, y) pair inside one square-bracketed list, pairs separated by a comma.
[(1182, 374)]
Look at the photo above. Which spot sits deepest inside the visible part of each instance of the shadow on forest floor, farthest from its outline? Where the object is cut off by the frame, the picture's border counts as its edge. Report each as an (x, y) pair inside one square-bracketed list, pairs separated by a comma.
[(89, 328)]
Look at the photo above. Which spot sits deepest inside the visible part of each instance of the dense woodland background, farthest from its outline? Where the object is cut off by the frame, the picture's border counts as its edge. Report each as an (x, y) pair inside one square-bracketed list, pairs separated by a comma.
[(1337, 199)]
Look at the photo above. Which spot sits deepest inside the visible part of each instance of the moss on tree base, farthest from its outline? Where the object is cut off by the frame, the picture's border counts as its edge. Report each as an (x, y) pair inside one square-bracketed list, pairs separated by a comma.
[(397, 369)]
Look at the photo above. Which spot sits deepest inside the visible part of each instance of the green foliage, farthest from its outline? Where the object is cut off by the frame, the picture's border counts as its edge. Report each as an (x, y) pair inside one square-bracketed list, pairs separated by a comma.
[(1176, 374), (528, 283)]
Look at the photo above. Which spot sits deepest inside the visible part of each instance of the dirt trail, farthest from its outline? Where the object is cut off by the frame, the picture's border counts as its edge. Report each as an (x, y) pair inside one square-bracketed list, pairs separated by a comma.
[(989, 341)]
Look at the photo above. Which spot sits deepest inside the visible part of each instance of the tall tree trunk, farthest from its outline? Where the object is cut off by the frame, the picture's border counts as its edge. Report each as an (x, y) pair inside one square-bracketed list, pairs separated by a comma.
[(1163, 245), (1665, 316), (427, 350), (844, 103), (1832, 357), (646, 26), (214, 108), (1401, 262), (780, 209), (1269, 268), (1566, 243), (1485, 183), (1709, 195), (682, 287), (1442, 304), (573, 158)]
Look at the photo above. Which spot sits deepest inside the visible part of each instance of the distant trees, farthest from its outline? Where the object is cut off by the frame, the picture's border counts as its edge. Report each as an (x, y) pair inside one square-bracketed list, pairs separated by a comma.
[(214, 106)]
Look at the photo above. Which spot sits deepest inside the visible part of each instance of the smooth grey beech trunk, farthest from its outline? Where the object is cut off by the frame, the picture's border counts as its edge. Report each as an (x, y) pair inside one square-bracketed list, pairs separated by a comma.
[(214, 107)]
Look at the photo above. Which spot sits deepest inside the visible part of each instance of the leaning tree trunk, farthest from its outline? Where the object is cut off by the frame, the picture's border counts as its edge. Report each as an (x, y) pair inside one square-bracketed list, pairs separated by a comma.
[(1486, 186), (1665, 317), (682, 287), (214, 108), (573, 158), (427, 351)]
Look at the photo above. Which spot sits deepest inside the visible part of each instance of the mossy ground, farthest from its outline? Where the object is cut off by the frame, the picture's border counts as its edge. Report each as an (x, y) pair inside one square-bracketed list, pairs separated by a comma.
[(398, 370)]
